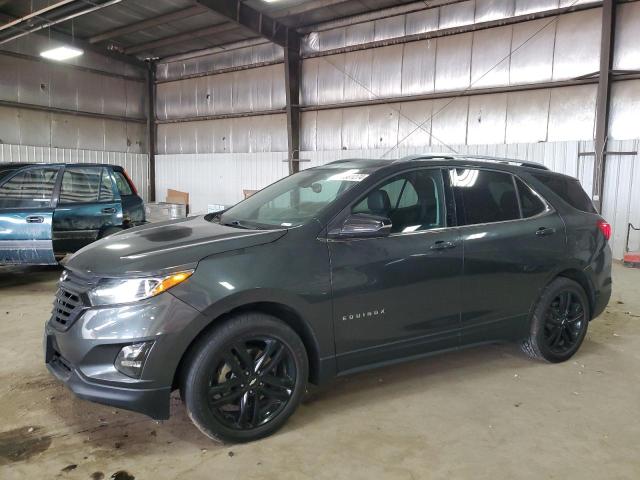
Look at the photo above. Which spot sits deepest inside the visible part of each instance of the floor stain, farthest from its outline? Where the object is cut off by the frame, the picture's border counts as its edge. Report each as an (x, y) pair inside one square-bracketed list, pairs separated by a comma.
[(97, 476), (68, 468), (22, 443)]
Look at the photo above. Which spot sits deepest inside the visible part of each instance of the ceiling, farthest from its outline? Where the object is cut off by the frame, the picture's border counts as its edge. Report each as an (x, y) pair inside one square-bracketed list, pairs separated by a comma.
[(162, 28)]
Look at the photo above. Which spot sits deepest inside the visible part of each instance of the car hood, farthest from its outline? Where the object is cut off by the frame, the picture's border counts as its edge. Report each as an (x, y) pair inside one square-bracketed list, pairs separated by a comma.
[(165, 246)]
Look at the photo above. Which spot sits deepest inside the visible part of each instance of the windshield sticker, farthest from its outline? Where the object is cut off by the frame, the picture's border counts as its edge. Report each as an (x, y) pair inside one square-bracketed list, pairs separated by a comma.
[(349, 176)]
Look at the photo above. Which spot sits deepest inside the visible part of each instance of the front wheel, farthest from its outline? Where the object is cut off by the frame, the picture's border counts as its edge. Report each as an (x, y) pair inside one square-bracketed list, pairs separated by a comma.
[(245, 378), (560, 321)]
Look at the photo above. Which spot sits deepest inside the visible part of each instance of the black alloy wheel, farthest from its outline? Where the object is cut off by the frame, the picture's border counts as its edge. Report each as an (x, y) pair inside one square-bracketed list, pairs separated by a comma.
[(244, 378), (564, 322), (559, 322), (252, 383)]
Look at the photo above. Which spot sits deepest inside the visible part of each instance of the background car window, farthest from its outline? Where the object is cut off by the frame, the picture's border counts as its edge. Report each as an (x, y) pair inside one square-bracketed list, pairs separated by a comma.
[(80, 185), (122, 183), (106, 186), (530, 202), (484, 196), (412, 201), (569, 190), (32, 188)]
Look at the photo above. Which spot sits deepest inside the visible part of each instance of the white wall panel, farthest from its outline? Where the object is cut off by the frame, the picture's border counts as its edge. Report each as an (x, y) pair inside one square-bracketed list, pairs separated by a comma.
[(624, 118), (577, 47), (418, 67), (532, 51), (491, 59), (527, 116), (449, 121), (453, 62), (487, 10), (621, 202), (487, 119), (627, 47), (572, 112)]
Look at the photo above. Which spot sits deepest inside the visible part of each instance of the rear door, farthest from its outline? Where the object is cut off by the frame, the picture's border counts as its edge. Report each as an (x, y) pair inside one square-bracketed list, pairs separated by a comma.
[(512, 241), (26, 212), (132, 204), (87, 205)]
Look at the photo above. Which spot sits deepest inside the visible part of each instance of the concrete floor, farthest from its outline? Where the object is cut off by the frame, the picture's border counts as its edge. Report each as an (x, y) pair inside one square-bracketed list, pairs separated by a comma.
[(483, 413)]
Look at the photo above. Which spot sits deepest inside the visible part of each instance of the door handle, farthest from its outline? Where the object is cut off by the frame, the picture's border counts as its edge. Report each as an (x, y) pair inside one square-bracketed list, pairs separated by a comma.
[(544, 231), (109, 210), (35, 219), (442, 245)]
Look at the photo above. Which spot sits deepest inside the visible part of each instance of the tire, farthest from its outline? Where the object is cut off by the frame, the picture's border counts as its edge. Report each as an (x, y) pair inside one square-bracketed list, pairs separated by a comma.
[(273, 388), (556, 335)]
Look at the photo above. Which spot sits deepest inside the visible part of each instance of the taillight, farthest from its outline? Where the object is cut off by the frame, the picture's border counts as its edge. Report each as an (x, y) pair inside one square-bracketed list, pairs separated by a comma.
[(605, 228), (131, 184)]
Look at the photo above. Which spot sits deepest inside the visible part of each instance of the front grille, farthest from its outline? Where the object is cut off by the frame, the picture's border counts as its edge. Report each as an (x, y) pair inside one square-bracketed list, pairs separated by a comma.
[(69, 303)]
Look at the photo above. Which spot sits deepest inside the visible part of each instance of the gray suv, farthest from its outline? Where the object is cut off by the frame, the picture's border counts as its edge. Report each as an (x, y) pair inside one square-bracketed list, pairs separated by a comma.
[(335, 269)]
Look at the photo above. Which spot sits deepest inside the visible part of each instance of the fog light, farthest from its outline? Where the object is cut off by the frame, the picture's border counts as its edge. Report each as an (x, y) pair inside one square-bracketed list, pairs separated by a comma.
[(131, 359)]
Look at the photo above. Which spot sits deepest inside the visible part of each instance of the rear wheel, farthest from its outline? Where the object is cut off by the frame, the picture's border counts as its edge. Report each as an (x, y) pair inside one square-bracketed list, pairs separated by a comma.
[(560, 321), (245, 378)]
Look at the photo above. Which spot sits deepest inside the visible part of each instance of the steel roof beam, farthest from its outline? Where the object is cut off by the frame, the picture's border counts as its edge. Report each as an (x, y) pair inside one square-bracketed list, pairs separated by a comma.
[(145, 24), (182, 37)]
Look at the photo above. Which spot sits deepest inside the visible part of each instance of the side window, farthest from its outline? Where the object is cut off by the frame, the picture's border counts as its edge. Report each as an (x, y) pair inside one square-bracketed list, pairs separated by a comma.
[(122, 183), (569, 190), (530, 202), (485, 196), (80, 185), (32, 188), (106, 186), (412, 201)]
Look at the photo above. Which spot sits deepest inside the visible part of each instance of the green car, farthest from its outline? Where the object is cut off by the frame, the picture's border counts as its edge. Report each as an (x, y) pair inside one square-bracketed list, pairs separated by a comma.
[(50, 210)]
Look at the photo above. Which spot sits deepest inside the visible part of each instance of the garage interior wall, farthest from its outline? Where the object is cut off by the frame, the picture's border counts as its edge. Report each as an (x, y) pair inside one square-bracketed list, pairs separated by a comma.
[(91, 110), (376, 88)]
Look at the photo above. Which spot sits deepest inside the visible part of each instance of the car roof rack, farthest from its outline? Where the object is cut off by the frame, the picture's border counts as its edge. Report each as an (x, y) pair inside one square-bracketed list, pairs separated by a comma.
[(485, 158)]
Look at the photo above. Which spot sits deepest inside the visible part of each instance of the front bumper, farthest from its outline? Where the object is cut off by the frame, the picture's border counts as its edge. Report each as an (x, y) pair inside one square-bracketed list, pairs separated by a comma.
[(82, 355)]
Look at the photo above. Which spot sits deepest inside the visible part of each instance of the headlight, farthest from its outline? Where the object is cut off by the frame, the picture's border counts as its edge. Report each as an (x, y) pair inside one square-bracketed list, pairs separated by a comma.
[(111, 291)]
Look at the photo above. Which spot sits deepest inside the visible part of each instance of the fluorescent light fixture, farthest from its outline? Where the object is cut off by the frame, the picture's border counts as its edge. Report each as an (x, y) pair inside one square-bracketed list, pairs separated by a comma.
[(61, 53)]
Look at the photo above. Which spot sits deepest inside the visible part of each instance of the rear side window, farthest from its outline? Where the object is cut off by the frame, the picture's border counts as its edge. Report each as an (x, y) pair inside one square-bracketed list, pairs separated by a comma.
[(484, 196), (122, 183), (32, 188), (80, 185), (530, 203), (569, 190)]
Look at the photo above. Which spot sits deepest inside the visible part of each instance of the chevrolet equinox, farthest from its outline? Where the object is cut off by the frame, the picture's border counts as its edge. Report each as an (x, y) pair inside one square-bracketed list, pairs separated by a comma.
[(332, 270)]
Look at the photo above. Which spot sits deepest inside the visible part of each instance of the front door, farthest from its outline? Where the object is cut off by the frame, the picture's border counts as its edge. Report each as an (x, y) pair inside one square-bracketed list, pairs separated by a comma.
[(88, 204), (398, 296), (26, 212)]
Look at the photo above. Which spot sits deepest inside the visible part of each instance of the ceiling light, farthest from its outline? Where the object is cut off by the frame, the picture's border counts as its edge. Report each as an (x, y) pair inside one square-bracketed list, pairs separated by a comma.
[(61, 53)]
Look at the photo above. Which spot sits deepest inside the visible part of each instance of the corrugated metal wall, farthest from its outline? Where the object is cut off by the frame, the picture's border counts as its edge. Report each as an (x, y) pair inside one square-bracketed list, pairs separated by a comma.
[(90, 84), (136, 164), (551, 125)]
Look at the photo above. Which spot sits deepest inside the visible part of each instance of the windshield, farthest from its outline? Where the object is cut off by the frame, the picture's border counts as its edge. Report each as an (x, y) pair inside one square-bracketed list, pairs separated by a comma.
[(293, 200)]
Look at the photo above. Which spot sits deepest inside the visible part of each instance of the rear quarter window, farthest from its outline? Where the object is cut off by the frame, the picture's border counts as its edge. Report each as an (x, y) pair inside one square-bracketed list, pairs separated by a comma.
[(569, 190), (122, 183)]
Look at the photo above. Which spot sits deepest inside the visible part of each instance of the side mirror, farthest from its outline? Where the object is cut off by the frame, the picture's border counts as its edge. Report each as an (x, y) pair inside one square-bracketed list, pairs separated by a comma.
[(362, 225)]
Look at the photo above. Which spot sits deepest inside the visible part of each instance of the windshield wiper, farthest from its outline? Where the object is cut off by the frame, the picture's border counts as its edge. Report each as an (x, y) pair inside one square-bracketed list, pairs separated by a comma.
[(239, 224)]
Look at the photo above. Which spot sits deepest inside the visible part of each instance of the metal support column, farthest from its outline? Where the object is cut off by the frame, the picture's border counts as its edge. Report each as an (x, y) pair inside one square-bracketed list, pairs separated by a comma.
[(603, 99), (151, 128), (292, 71)]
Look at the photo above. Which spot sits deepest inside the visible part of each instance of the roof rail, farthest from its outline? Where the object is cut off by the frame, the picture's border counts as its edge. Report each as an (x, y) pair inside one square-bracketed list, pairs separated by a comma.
[(447, 156), (509, 161)]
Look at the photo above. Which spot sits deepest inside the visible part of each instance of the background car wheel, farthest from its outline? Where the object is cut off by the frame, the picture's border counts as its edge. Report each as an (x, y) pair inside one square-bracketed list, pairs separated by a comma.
[(245, 378), (560, 321), (107, 232)]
